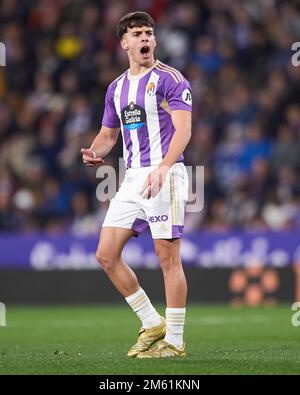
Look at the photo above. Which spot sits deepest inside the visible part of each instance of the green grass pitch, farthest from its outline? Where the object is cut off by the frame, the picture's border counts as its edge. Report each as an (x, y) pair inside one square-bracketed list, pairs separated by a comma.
[(95, 340)]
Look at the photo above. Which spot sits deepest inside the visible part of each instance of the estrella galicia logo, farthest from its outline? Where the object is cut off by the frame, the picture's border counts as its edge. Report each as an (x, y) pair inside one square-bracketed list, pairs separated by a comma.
[(158, 218), (133, 116)]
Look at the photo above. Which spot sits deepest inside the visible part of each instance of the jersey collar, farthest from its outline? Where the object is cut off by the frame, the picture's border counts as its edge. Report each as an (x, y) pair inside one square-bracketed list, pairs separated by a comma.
[(141, 75)]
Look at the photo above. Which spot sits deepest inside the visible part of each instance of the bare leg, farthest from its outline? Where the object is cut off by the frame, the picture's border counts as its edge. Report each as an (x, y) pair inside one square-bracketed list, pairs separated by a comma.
[(168, 252), (111, 243)]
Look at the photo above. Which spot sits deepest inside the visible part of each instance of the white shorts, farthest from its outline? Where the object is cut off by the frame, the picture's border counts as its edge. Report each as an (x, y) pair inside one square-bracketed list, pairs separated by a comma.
[(164, 214)]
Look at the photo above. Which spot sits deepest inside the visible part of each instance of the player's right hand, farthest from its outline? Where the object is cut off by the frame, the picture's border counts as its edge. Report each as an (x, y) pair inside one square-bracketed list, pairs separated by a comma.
[(89, 158)]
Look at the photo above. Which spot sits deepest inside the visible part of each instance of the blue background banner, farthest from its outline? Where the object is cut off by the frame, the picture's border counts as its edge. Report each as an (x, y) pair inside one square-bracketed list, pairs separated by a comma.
[(203, 249)]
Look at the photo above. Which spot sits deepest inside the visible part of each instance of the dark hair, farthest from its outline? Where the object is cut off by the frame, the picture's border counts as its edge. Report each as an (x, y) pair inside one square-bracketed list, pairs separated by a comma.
[(133, 19)]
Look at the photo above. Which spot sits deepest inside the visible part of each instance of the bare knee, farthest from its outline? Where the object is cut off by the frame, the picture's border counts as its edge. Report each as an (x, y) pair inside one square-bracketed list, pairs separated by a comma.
[(106, 260), (167, 262), (168, 253)]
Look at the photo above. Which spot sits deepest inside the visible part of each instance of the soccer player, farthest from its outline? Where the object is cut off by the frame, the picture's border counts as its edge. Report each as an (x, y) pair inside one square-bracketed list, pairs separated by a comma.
[(151, 103)]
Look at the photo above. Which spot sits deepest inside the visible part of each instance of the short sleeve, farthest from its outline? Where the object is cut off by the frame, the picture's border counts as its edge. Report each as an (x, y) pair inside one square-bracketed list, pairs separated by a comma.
[(110, 117), (179, 94)]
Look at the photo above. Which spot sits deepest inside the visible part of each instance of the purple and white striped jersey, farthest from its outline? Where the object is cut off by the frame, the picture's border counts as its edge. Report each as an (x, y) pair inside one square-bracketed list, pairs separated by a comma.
[(141, 105)]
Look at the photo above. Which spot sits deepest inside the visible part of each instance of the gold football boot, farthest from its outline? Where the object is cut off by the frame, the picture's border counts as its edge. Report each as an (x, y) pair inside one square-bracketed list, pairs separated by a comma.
[(162, 349), (147, 337)]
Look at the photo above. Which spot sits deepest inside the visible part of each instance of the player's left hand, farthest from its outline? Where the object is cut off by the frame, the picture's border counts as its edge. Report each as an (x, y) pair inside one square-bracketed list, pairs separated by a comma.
[(154, 182)]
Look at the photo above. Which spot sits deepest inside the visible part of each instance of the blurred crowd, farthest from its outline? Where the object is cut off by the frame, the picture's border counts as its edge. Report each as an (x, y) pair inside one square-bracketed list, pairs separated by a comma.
[(62, 54)]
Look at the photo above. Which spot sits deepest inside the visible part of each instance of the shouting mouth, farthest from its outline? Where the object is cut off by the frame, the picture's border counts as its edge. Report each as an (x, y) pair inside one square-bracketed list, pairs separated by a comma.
[(145, 49)]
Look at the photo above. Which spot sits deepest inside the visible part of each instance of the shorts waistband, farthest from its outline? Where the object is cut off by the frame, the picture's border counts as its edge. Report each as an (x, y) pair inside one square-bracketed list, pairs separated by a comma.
[(146, 167)]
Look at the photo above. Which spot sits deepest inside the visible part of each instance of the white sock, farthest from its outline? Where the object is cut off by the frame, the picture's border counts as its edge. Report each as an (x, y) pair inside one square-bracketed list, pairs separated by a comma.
[(175, 322), (141, 305)]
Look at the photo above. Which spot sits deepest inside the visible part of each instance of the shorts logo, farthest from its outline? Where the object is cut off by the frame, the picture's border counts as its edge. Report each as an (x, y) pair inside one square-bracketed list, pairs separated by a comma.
[(150, 89), (158, 218), (187, 97), (133, 116)]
